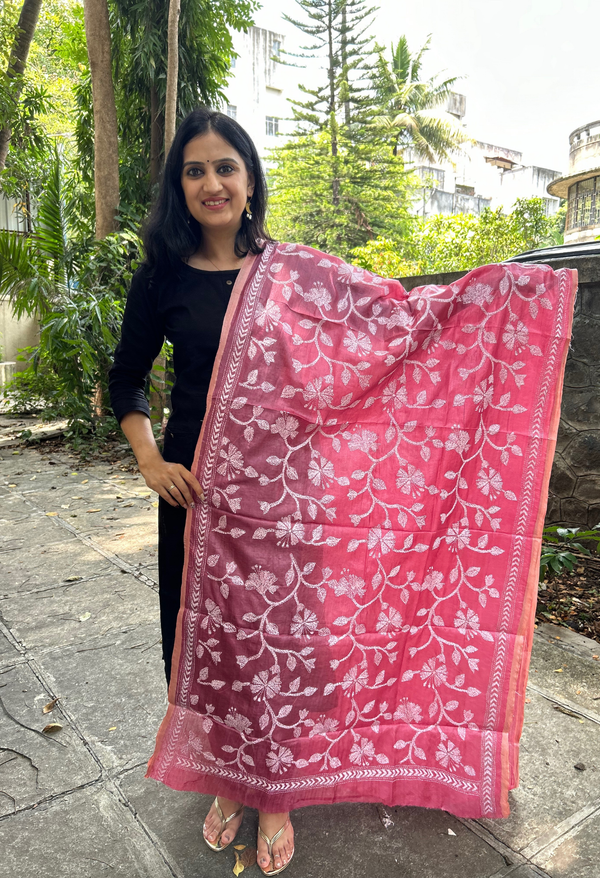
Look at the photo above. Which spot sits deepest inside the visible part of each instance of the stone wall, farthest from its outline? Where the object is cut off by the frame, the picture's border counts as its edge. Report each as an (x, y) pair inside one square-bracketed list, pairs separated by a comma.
[(575, 483)]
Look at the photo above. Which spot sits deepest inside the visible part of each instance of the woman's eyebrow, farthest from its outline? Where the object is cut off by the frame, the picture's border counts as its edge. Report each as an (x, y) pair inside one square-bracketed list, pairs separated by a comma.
[(196, 162)]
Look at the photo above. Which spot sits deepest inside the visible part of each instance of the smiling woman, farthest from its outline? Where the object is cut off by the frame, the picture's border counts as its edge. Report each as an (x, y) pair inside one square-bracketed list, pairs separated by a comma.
[(217, 187), (322, 412)]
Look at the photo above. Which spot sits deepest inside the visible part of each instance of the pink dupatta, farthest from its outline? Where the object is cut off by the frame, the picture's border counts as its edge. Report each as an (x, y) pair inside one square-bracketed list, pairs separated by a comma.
[(360, 582)]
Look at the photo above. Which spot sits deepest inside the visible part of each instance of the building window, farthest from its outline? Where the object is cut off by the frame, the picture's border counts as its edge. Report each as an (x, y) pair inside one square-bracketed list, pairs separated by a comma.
[(584, 203), (231, 111), (431, 176), (276, 49), (272, 126)]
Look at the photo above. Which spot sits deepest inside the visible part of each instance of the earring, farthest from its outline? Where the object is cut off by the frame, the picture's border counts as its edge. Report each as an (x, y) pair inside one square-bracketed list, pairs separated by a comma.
[(248, 210)]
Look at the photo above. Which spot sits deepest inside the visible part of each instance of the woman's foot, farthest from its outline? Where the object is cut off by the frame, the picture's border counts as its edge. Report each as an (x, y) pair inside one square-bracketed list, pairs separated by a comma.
[(213, 825), (283, 848)]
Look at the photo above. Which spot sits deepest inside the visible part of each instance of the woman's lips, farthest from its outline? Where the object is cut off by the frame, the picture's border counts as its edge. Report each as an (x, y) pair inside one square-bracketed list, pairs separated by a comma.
[(215, 206)]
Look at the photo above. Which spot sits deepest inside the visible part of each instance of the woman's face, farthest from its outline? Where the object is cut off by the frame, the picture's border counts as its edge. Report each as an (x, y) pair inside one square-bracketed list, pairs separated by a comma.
[(215, 182)]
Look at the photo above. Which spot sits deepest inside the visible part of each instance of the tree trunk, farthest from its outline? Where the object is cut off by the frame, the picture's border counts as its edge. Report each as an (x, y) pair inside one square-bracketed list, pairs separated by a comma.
[(156, 137), (345, 71), (17, 61), (335, 188), (172, 72), (106, 144)]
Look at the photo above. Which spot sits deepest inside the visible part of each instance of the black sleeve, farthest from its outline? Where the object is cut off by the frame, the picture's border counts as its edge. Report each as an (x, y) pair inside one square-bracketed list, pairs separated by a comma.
[(142, 336)]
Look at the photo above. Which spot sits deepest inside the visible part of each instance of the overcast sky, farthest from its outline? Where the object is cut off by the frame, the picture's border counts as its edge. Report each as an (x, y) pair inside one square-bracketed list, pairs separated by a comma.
[(530, 67)]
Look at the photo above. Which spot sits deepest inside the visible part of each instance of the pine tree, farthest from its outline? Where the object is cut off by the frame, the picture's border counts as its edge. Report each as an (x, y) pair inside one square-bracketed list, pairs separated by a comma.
[(337, 28), (335, 185)]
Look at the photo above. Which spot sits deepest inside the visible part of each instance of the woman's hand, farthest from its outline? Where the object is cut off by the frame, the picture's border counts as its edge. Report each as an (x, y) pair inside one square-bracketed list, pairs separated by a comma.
[(175, 484), (172, 481)]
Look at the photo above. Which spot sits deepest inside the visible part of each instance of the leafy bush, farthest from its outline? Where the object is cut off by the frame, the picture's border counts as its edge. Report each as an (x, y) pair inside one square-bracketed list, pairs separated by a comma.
[(462, 241), (77, 290), (559, 544)]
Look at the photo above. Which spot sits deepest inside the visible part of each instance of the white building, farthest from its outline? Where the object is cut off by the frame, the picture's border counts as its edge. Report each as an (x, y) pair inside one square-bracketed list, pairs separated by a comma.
[(481, 175), (12, 215), (259, 86), (582, 185)]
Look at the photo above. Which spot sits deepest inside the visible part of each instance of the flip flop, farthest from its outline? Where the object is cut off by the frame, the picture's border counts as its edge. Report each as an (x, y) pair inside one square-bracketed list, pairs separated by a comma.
[(270, 842), (217, 846)]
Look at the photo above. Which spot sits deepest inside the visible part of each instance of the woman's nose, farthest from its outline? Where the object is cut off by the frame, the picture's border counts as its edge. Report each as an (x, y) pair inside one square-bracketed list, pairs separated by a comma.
[(212, 183)]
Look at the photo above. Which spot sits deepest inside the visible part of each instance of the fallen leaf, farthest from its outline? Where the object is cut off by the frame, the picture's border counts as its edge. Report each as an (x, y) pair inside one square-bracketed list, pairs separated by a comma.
[(47, 708), (450, 832), (12, 486), (76, 498), (50, 514), (238, 868), (579, 766), (52, 728), (64, 505), (73, 474), (239, 847), (156, 504), (16, 452), (85, 481), (528, 701), (113, 729), (85, 617), (248, 858), (93, 510), (558, 670), (72, 578), (566, 710)]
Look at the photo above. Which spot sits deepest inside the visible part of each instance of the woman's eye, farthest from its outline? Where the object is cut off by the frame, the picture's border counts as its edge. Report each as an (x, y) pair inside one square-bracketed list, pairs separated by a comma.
[(194, 172), (225, 169)]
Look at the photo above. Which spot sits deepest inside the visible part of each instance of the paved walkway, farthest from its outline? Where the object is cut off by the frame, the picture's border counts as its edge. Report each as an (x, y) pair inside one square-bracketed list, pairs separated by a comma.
[(79, 621)]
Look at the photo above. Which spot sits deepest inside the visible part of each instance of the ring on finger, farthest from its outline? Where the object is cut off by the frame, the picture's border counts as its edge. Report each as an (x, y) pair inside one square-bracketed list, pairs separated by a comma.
[(171, 488)]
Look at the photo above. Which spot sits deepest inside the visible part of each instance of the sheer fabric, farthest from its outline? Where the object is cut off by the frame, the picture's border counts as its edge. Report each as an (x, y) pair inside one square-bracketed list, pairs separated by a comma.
[(360, 582)]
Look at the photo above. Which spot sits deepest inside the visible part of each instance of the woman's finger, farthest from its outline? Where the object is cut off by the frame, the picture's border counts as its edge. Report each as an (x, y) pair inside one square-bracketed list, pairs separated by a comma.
[(166, 495), (194, 484), (179, 491), (180, 482)]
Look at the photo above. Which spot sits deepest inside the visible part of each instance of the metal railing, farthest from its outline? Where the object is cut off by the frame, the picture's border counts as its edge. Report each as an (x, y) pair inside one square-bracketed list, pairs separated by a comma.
[(584, 210)]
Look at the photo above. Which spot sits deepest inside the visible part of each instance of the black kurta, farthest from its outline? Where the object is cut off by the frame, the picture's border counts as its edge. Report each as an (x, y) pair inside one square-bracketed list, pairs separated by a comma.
[(188, 310)]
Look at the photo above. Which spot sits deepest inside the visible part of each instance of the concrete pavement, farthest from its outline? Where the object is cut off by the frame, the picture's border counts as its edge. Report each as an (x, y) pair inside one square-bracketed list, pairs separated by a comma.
[(79, 621)]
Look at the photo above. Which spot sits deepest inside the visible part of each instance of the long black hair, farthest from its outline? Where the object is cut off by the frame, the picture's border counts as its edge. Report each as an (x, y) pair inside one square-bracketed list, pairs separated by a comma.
[(171, 234)]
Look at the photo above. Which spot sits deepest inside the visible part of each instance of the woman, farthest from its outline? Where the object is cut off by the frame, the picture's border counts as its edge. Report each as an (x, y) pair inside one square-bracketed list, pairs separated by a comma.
[(364, 506), (195, 246)]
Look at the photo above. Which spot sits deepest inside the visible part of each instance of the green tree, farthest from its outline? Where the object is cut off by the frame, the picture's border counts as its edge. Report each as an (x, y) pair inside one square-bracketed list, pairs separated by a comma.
[(371, 196), (140, 58), (337, 29), (44, 111), (12, 85), (334, 185), (78, 294), (410, 110), (106, 139), (463, 241)]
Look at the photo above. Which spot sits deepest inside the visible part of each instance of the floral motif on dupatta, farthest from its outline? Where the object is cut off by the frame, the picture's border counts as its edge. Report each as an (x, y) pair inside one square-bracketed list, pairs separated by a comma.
[(360, 581)]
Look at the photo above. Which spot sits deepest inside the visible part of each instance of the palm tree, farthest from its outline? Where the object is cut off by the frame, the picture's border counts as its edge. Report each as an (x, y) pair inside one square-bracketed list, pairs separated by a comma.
[(410, 110)]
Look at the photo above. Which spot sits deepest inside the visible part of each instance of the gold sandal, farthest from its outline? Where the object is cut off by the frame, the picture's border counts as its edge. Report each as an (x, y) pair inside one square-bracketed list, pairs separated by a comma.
[(270, 842), (217, 846)]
